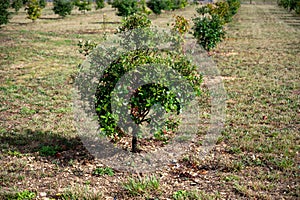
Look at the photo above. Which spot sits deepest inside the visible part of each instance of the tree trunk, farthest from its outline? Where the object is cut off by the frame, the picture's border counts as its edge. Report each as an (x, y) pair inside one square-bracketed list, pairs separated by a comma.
[(134, 143)]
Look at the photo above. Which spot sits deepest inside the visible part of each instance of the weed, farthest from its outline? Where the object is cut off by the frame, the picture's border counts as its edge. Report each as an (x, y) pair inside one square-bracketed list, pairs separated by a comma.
[(141, 186), (103, 171), (48, 150)]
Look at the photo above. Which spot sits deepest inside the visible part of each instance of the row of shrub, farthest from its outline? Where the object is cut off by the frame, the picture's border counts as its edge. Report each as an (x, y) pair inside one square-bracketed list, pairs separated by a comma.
[(290, 5), (129, 7), (34, 7), (209, 26)]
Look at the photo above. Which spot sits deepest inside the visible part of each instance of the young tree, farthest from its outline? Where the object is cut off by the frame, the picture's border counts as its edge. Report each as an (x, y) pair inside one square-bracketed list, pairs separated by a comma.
[(33, 9), (17, 4), (83, 5), (62, 7), (136, 28), (158, 5), (100, 4), (125, 7), (42, 3), (4, 14)]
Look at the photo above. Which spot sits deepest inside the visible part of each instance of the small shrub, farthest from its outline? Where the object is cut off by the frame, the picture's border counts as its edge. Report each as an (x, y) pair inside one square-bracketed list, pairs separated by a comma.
[(42, 3), (141, 186), (100, 4), (179, 4), (290, 5), (104, 171), (137, 20), (148, 95), (83, 5), (17, 4), (4, 14), (158, 5), (85, 47), (33, 9), (208, 31), (62, 7), (125, 7)]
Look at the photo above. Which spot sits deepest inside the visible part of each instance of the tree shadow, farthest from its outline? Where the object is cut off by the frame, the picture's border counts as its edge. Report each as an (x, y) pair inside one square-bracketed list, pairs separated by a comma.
[(37, 142)]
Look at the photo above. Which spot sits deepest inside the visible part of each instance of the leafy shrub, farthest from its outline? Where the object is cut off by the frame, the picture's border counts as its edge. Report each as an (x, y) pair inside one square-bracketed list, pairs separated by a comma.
[(62, 7), (100, 4), (234, 5), (85, 47), (178, 4), (33, 9), (143, 7), (83, 5), (4, 14), (137, 20), (43, 3), (148, 95), (158, 5), (290, 5), (125, 7), (17, 4), (208, 31)]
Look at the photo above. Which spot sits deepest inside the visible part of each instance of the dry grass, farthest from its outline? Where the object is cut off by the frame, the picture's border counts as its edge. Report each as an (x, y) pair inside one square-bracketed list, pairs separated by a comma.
[(257, 156)]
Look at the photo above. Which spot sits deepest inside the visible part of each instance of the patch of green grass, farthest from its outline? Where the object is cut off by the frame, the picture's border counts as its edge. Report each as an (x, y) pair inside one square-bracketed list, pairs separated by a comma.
[(48, 150), (103, 171), (78, 192), (194, 195), (141, 186)]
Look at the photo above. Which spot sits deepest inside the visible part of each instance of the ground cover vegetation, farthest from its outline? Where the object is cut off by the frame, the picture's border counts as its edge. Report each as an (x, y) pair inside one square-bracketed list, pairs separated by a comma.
[(255, 158)]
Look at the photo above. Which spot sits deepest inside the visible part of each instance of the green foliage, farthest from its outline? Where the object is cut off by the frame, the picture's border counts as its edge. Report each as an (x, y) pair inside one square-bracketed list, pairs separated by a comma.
[(208, 28), (195, 194), (290, 5), (234, 5), (85, 47), (208, 31), (141, 186), (25, 195), (143, 7), (178, 4), (83, 5), (17, 4), (100, 4), (42, 3), (4, 14), (137, 20), (48, 150), (62, 7), (125, 7), (103, 171), (148, 95), (33, 9), (158, 5)]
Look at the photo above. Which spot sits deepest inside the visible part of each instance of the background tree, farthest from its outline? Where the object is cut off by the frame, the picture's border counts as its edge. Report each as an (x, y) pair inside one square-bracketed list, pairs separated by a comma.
[(62, 7), (17, 4), (4, 14), (33, 9), (125, 7), (158, 5), (100, 4), (83, 5), (42, 3)]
